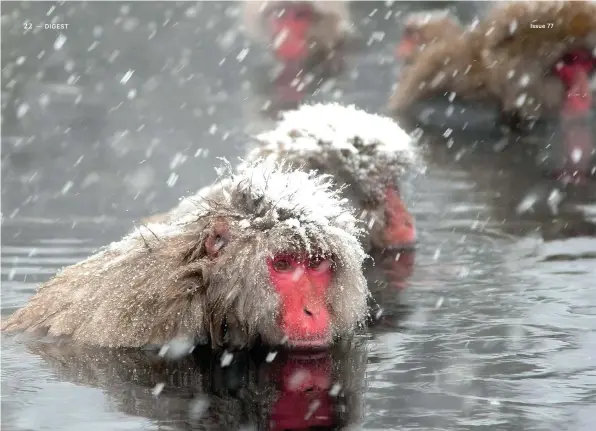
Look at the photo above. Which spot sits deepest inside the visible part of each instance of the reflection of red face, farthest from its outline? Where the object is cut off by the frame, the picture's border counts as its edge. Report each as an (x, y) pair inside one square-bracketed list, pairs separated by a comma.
[(304, 400), (290, 31), (574, 70)]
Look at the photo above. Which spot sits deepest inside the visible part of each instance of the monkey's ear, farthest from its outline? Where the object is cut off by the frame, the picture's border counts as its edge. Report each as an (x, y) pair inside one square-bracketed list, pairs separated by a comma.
[(217, 239)]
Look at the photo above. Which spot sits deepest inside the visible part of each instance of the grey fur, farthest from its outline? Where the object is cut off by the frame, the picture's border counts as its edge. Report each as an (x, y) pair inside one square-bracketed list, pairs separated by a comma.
[(373, 153), (158, 283)]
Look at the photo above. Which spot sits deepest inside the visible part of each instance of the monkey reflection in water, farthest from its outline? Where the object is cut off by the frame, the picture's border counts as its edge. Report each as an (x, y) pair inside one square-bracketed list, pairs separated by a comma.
[(265, 389)]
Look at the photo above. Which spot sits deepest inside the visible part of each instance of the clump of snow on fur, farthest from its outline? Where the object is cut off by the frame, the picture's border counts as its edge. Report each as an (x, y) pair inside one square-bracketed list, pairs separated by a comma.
[(419, 19), (308, 197), (191, 207), (331, 124)]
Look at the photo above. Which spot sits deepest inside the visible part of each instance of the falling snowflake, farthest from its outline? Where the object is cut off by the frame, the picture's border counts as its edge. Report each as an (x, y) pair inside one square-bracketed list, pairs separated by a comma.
[(59, 42), (335, 389), (576, 155), (521, 99), (527, 203), (226, 359), (157, 389), (127, 76), (22, 110)]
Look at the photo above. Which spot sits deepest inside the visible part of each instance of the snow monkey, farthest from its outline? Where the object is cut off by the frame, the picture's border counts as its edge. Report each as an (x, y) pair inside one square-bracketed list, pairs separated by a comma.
[(270, 255)]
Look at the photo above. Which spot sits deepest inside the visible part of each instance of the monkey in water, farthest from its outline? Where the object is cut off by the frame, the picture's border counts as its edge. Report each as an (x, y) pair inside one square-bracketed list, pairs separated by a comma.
[(513, 57), (451, 66), (366, 154), (539, 56), (422, 29), (271, 255), (308, 33)]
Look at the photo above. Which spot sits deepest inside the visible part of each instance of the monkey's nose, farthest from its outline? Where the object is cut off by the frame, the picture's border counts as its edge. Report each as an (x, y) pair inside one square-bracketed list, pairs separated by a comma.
[(307, 311)]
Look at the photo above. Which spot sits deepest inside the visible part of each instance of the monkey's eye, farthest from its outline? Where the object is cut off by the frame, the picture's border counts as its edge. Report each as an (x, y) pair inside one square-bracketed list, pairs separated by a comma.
[(319, 264), (282, 265)]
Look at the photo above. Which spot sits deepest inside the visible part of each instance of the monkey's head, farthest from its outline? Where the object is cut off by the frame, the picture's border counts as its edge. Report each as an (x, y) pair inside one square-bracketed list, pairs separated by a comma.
[(280, 260), (366, 153), (423, 28), (297, 29), (544, 55)]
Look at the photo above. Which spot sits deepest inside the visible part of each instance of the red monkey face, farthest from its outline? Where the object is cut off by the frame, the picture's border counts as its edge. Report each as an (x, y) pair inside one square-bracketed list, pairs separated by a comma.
[(400, 230), (408, 45), (302, 283), (290, 30)]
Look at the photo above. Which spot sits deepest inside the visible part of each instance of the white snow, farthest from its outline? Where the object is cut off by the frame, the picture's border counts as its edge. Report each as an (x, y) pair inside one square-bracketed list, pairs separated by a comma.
[(309, 196), (524, 80), (59, 42), (127, 76), (521, 99), (337, 125)]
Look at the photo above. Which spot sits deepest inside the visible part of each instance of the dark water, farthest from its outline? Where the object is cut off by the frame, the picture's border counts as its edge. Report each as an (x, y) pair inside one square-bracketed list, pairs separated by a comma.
[(501, 328)]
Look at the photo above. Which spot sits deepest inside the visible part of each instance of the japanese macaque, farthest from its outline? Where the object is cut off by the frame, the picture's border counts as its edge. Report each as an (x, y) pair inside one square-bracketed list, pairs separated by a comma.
[(422, 29), (450, 67), (514, 58), (304, 32), (539, 56), (364, 153), (270, 255)]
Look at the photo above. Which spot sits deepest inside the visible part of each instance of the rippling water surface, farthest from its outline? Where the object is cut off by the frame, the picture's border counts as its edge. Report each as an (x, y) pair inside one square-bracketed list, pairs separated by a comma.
[(500, 323)]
